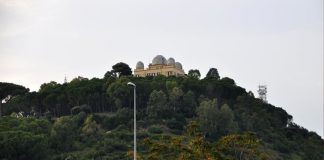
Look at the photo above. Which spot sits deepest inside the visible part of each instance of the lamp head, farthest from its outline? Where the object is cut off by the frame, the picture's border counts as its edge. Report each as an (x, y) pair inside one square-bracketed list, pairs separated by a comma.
[(131, 84)]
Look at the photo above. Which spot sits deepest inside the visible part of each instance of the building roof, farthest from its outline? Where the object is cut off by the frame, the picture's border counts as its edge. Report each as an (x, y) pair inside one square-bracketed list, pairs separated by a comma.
[(171, 61), (140, 65), (178, 65), (159, 59)]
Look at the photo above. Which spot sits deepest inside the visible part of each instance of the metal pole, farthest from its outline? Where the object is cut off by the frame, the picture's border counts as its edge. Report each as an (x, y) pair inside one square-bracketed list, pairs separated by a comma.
[(132, 84), (134, 122)]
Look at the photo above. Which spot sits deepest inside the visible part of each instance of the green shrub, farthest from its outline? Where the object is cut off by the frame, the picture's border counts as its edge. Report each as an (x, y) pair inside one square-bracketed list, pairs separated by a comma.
[(110, 123)]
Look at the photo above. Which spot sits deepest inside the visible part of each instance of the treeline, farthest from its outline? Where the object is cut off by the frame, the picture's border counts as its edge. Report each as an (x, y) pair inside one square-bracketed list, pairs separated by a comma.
[(223, 111), (111, 92)]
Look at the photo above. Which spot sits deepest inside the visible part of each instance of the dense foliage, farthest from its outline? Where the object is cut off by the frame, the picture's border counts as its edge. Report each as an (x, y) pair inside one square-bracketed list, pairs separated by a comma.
[(92, 119)]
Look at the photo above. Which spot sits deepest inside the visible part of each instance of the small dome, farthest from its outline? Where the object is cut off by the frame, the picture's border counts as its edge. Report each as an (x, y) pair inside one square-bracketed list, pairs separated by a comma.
[(171, 61), (159, 59), (140, 65), (178, 65)]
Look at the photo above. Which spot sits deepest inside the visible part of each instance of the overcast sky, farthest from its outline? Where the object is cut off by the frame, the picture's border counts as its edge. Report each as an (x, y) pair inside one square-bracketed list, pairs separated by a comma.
[(274, 42)]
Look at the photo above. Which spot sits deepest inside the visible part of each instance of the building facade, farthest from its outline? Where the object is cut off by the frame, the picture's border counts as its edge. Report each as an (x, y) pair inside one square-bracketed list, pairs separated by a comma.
[(159, 66)]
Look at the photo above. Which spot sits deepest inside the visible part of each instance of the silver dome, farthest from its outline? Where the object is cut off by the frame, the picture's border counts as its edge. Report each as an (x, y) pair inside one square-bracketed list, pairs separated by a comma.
[(178, 65), (140, 65), (171, 61), (159, 59)]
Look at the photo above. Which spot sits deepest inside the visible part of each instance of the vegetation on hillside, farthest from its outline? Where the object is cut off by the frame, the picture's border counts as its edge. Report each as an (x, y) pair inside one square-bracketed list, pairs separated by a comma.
[(178, 118)]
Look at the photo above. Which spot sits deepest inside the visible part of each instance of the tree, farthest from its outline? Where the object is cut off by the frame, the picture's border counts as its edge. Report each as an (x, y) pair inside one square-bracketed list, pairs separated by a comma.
[(175, 97), (228, 81), (208, 113), (120, 93), (194, 73), (65, 130), (10, 89), (228, 125), (157, 105), (240, 146), (24, 138), (189, 104), (192, 145), (215, 122), (78, 79), (170, 85), (122, 69), (23, 145), (48, 87), (91, 127), (109, 74), (213, 73), (7, 89)]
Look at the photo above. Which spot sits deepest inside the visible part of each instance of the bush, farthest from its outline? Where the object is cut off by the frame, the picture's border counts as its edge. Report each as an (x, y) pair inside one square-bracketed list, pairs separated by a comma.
[(110, 123), (18, 144), (123, 116), (79, 118)]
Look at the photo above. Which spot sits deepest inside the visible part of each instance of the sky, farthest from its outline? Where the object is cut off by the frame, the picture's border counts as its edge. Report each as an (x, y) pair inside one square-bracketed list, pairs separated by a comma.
[(274, 42)]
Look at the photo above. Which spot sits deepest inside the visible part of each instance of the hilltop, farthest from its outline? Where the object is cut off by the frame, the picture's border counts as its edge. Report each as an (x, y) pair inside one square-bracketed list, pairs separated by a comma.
[(185, 117)]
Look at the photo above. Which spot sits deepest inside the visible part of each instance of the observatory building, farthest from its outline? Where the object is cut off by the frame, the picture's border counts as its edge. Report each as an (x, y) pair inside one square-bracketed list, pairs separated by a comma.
[(159, 66)]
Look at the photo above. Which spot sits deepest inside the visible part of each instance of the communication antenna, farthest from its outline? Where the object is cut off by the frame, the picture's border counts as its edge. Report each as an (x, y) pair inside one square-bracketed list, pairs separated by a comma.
[(263, 93), (65, 79)]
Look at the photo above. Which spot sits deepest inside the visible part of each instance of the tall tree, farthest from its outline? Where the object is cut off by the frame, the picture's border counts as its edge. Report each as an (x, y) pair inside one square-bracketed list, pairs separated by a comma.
[(157, 104), (175, 98), (120, 93), (189, 104), (109, 74), (215, 122), (194, 73), (213, 73), (228, 125), (10, 89), (208, 116), (122, 69)]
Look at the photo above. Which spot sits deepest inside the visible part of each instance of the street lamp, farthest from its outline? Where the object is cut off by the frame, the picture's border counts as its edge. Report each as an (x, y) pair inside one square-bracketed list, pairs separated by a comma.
[(132, 84)]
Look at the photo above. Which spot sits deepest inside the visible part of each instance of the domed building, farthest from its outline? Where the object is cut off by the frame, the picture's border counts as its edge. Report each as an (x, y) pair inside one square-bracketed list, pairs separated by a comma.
[(159, 66)]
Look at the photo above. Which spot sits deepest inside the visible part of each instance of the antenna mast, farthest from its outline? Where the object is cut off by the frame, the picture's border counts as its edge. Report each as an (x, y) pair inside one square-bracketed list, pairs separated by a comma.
[(65, 79), (263, 93)]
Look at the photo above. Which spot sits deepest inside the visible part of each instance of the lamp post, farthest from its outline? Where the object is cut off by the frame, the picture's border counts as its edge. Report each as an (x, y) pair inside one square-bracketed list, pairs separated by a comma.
[(132, 84)]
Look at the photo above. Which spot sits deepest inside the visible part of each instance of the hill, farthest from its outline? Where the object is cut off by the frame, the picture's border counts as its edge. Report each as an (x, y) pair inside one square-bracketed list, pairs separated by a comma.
[(178, 117)]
